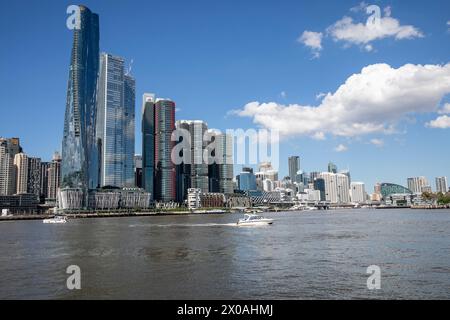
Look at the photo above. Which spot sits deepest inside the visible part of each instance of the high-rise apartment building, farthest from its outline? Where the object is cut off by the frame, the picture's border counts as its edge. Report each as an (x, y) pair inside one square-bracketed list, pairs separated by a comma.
[(8, 149), (45, 167), (336, 187), (115, 123), (441, 184), (165, 177), (79, 146), (358, 192), (332, 168), (21, 169), (34, 176), (416, 184), (54, 177)]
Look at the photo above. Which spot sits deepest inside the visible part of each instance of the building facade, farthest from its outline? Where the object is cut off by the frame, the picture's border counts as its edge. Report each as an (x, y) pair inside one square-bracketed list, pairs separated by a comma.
[(79, 147), (441, 184), (294, 167), (21, 170), (115, 123)]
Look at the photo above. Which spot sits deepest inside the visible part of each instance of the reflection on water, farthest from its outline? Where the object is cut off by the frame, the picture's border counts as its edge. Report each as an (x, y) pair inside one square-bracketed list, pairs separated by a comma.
[(311, 255)]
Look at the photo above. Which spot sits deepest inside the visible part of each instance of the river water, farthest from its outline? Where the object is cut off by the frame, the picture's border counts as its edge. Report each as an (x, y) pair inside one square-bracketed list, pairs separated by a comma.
[(303, 255)]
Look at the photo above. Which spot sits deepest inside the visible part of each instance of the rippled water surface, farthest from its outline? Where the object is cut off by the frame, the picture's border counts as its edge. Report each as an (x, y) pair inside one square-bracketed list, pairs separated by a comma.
[(314, 255)]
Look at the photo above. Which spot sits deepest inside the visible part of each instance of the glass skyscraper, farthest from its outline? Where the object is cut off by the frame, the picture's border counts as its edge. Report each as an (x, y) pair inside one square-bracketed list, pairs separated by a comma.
[(294, 167), (80, 163), (115, 123)]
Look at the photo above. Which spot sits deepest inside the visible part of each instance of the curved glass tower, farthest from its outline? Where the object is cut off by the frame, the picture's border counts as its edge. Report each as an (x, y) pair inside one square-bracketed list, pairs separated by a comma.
[(80, 167)]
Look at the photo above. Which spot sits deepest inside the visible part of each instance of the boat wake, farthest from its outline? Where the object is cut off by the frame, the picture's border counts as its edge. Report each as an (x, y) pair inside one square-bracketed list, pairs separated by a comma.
[(183, 225)]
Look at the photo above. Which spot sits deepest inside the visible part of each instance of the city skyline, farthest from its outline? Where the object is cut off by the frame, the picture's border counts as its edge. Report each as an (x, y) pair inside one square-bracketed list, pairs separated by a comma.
[(380, 158)]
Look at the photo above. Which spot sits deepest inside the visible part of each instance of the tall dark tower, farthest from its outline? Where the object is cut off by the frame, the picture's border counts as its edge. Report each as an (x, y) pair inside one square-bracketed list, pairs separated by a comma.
[(79, 146), (148, 143)]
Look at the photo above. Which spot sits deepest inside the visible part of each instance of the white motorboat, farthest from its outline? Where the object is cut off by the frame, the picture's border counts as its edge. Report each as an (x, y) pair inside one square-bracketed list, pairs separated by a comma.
[(56, 219), (254, 220)]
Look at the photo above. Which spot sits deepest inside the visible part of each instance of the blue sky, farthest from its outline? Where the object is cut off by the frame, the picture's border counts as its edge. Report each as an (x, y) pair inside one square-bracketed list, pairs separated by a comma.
[(212, 57)]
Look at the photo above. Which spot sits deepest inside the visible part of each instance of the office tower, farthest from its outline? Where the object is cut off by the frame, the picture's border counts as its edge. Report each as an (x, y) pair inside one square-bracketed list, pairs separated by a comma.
[(224, 159), (130, 128), (415, 184), (45, 167), (332, 168), (314, 175), (138, 171), (79, 148), (441, 184), (319, 185), (115, 123), (8, 149), (34, 176), (21, 169), (183, 169), (164, 122), (54, 176), (148, 143), (357, 192), (294, 167), (247, 180), (199, 167), (377, 188)]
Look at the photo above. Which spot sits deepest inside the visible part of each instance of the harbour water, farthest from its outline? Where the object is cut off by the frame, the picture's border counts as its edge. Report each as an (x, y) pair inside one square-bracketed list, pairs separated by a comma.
[(303, 255)]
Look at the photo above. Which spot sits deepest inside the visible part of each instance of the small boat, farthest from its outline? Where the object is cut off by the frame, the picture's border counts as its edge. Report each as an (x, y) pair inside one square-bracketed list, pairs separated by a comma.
[(254, 220), (56, 219)]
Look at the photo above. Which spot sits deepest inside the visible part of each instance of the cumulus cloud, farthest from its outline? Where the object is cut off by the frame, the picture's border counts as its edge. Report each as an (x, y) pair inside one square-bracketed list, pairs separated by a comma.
[(379, 25), (349, 32), (341, 148), (312, 40), (370, 102), (442, 122)]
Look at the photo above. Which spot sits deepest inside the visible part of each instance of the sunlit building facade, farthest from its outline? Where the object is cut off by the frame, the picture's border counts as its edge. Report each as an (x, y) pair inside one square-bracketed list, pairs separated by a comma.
[(79, 146)]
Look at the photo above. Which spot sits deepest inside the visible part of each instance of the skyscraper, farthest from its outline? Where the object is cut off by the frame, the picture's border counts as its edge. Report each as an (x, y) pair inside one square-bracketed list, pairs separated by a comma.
[(115, 123), (441, 184), (416, 184), (199, 167), (164, 123), (247, 180), (54, 176), (8, 149), (224, 157), (148, 143), (79, 146), (34, 176), (45, 167), (21, 169), (294, 167)]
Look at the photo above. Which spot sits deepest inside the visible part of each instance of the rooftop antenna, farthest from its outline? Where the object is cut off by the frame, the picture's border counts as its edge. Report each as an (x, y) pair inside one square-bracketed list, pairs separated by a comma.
[(130, 67)]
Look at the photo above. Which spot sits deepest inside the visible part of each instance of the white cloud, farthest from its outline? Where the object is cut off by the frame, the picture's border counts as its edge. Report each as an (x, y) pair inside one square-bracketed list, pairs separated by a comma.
[(341, 148), (312, 40), (364, 33), (283, 94), (442, 122), (377, 142), (320, 95), (372, 101), (368, 47), (445, 109)]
